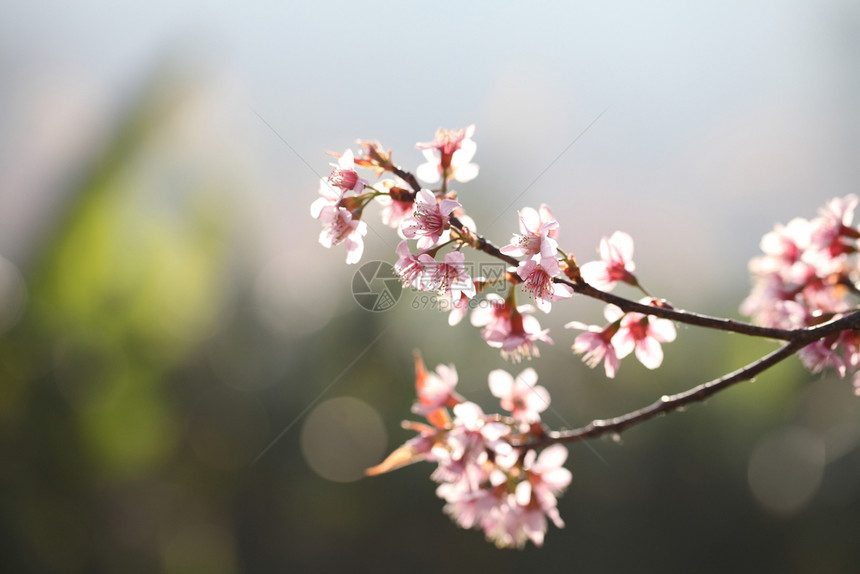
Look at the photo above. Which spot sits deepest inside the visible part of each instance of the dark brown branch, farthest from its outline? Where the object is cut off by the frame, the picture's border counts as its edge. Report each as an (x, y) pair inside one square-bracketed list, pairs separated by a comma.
[(679, 315), (407, 177), (670, 403)]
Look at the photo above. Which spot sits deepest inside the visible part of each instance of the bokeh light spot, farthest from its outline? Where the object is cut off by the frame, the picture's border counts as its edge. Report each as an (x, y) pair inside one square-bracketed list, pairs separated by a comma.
[(341, 437), (785, 470)]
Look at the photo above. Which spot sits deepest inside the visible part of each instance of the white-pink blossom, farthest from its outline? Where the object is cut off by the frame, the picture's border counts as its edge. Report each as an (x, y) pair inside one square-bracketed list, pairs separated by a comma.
[(616, 263), (548, 478), (537, 273), (436, 390), (430, 219), (537, 228), (397, 205), (339, 223), (512, 330), (449, 155), (642, 334), (821, 354), (520, 396), (595, 345), (344, 176), (450, 276), (411, 268)]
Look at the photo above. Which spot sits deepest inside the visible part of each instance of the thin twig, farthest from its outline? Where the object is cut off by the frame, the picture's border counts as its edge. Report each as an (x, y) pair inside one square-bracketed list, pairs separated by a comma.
[(679, 315), (670, 403)]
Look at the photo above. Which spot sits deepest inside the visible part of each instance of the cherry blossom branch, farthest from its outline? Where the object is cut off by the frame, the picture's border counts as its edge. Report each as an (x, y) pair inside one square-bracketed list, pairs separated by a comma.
[(503, 473), (670, 403), (482, 244)]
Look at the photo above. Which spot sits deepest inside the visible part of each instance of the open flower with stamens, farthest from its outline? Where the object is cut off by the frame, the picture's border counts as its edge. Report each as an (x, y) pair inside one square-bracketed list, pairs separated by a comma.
[(455, 150), (344, 176), (548, 478), (340, 223), (537, 228), (430, 219), (642, 334), (413, 269), (450, 276), (537, 273), (803, 277), (509, 328), (522, 397), (486, 482), (595, 345), (616, 263), (435, 391)]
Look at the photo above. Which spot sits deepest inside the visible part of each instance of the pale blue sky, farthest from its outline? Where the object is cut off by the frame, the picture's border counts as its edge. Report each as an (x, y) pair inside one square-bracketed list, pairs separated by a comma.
[(719, 119)]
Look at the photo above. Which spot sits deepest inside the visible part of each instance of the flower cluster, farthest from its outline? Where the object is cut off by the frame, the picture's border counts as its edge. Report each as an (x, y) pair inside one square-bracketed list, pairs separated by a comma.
[(435, 220), (808, 269), (489, 475), (487, 481), (626, 332)]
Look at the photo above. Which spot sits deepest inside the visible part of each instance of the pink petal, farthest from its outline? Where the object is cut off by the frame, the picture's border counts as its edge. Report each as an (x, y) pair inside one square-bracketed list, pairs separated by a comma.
[(466, 172), (550, 458), (428, 172), (662, 329), (623, 343), (501, 383), (529, 221), (649, 353), (622, 247)]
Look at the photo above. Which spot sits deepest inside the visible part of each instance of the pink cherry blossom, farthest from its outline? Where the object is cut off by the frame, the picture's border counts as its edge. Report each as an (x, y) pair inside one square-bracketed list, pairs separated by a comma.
[(450, 276), (822, 354), (536, 229), (455, 150), (339, 223), (511, 329), (398, 205), (485, 481), (436, 390), (344, 176), (459, 308), (521, 396), (509, 524), (430, 219), (596, 345), (834, 223), (413, 269), (548, 478), (642, 334), (537, 273), (373, 156), (616, 263)]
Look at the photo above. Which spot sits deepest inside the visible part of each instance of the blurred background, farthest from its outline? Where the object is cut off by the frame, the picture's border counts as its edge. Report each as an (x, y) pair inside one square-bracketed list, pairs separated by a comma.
[(187, 385)]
